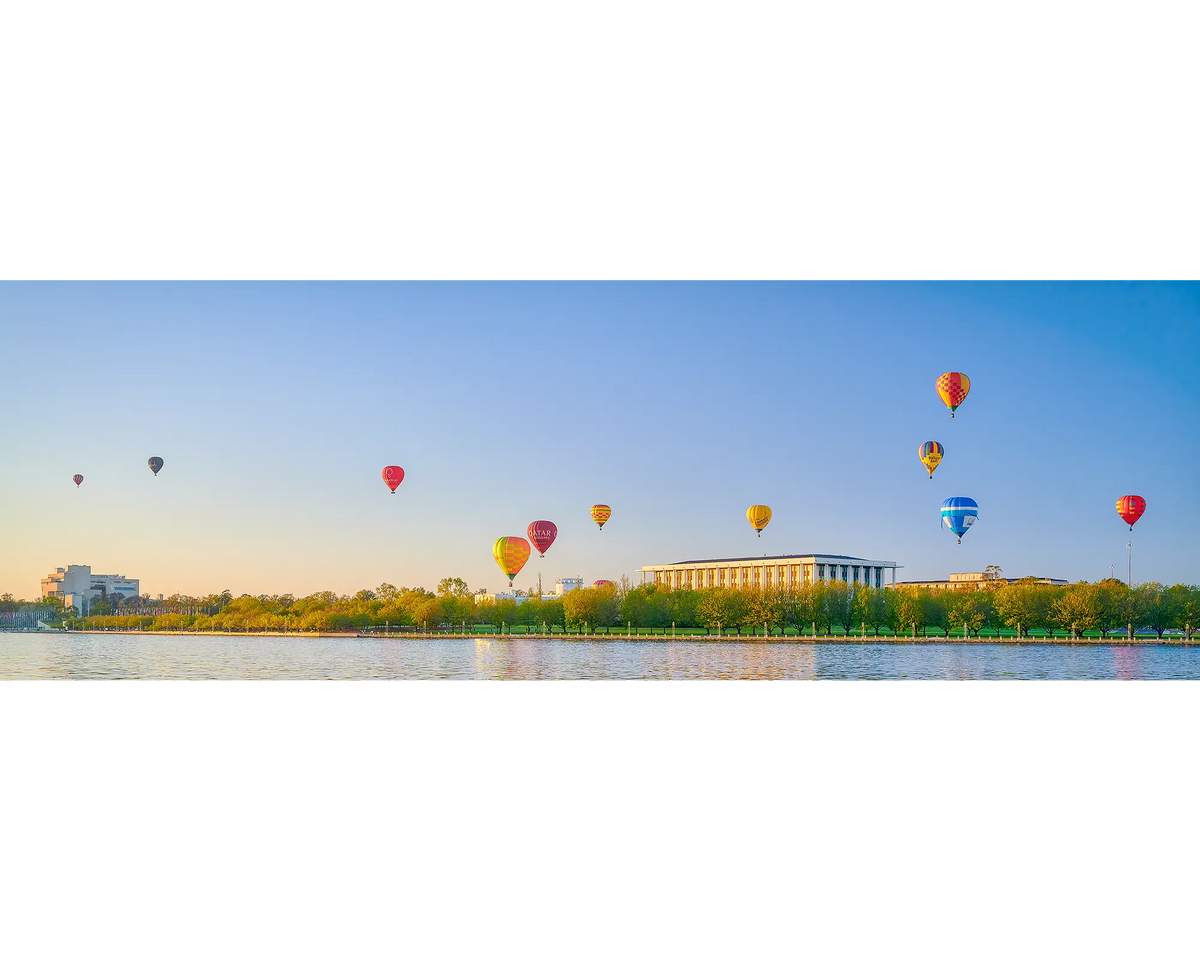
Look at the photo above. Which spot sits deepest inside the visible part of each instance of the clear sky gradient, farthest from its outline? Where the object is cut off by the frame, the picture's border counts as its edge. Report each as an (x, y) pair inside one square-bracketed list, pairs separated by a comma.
[(275, 406)]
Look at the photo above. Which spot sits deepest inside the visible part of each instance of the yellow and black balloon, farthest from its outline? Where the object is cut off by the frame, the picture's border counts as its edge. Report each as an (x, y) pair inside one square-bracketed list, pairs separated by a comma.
[(759, 516), (931, 453)]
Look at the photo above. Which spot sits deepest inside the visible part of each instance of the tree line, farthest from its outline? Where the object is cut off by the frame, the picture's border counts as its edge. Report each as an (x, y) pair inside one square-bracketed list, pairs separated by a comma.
[(1024, 605)]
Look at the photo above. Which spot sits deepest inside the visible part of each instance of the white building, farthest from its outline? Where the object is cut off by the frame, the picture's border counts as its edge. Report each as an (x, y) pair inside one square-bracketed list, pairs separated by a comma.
[(562, 586), (780, 572), (76, 585)]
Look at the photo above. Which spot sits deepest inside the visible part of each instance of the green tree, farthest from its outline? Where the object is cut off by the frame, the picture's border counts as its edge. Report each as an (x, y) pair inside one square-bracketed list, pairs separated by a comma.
[(649, 605), (685, 607), (1154, 607), (721, 607), (453, 587), (839, 604), (971, 609), (763, 607), (908, 613), (933, 607), (1184, 603), (1079, 607)]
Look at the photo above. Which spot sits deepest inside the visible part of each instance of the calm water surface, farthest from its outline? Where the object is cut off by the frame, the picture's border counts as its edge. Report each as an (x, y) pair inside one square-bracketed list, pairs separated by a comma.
[(133, 656)]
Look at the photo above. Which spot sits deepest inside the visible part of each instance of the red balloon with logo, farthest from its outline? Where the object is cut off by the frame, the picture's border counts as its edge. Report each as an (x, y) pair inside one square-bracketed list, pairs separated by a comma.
[(392, 477), (541, 534), (1131, 508)]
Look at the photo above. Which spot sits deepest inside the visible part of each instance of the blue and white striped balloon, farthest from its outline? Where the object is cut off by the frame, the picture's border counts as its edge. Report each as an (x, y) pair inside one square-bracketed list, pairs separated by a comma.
[(958, 513)]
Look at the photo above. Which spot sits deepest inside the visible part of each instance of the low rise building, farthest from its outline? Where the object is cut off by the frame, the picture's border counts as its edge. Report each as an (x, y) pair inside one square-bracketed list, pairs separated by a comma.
[(973, 581), (76, 585), (779, 572)]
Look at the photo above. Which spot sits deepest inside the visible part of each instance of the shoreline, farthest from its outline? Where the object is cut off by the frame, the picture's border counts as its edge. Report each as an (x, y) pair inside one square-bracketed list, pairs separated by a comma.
[(1123, 641)]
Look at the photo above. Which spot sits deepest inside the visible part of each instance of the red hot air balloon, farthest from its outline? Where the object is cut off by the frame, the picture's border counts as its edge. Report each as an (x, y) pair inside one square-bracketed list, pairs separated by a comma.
[(78, 478), (602, 583), (1131, 509), (541, 534), (392, 477)]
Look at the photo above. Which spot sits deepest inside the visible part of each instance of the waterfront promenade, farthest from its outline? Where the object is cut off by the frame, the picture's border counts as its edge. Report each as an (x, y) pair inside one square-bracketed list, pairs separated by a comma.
[(682, 635)]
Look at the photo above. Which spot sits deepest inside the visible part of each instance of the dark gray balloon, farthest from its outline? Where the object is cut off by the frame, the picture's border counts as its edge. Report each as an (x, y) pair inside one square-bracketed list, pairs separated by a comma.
[(155, 464)]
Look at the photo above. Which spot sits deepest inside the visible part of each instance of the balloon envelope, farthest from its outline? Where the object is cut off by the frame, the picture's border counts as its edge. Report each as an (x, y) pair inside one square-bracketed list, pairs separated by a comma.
[(953, 389), (959, 514), (78, 478), (155, 464), (511, 554), (541, 534), (600, 513), (1131, 508), (931, 453), (603, 583), (392, 476), (759, 516)]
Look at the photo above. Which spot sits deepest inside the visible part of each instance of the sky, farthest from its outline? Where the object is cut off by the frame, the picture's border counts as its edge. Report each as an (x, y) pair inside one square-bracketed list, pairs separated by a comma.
[(276, 406)]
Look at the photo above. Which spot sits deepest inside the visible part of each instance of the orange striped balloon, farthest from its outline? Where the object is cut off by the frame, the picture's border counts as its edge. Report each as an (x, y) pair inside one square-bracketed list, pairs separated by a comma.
[(511, 554)]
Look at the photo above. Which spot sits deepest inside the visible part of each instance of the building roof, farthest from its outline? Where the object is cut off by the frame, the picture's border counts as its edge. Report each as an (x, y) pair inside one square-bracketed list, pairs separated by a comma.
[(782, 556)]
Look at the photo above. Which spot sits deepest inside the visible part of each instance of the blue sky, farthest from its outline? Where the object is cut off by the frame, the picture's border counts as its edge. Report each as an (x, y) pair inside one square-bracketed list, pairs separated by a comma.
[(275, 406)]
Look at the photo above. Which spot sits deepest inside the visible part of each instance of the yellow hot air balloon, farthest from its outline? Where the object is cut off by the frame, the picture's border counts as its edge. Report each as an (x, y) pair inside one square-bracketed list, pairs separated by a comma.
[(931, 453), (511, 554), (759, 516), (600, 513)]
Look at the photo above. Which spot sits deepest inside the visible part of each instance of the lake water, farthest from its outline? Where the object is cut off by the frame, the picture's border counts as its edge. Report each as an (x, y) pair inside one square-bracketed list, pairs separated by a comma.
[(131, 656)]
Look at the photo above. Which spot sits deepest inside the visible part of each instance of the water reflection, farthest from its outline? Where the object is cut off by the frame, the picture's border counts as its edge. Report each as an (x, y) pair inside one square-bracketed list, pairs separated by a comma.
[(138, 656)]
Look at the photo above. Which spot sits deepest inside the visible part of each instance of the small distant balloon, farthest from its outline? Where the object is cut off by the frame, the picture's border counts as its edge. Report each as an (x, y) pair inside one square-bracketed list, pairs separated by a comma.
[(953, 389), (759, 516), (959, 514), (600, 513), (78, 478), (155, 464), (931, 453), (392, 476), (511, 554), (603, 583), (541, 534), (1131, 508)]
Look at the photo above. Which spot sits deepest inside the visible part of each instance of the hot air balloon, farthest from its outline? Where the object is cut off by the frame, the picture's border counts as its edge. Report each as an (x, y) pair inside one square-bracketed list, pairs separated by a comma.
[(78, 478), (931, 453), (511, 554), (155, 464), (958, 514), (541, 534), (953, 389), (392, 477), (759, 516), (603, 583), (1131, 509), (600, 513)]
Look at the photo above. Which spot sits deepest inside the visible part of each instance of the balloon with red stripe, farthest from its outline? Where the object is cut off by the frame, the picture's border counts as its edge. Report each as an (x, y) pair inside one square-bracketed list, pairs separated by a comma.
[(1131, 508)]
